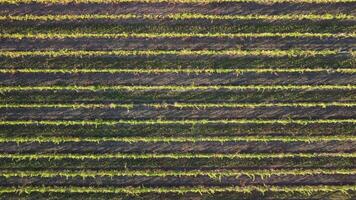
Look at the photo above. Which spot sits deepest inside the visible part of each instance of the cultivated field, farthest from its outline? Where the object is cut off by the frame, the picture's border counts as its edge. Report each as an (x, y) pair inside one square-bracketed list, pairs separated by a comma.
[(177, 99)]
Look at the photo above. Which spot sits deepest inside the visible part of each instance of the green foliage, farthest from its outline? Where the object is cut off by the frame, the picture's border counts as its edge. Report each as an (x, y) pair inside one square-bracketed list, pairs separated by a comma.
[(178, 16), (185, 52), (180, 190), (214, 174)]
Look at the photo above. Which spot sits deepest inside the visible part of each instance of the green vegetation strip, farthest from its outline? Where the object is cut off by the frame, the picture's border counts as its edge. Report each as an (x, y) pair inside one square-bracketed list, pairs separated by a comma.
[(171, 1), (177, 16), (222, 139), (164, 173), (186, 52), (173, 156), (181, 122), (188, 71), (172, 35), (177, 88), (307, 190), (180, 105)]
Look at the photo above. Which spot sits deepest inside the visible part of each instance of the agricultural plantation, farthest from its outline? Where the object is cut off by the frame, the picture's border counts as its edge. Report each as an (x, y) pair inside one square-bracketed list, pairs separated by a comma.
[(177, 99)]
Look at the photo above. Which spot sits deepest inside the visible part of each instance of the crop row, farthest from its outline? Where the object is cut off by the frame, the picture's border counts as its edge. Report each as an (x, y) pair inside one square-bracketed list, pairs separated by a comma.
[(185, 52), (178, 88), (188, 71), (205, 163), (171, 1), (177, 16), (164, 173), (179, 105), (308, 190), (173, 35), (181, 122), (56, 156), (220, 139)]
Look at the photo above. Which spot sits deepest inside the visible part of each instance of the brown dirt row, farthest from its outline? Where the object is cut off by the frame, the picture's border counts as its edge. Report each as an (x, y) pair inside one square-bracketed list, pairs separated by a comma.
[(172, 130), (187, 147), (342, 60), (195, 96), (287, 180), (107, 79), (144, 113), (266, 43)]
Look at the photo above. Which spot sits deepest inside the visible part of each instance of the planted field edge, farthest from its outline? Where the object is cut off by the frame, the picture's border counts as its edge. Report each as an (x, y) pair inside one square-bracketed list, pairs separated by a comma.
[(215, 174), (178, 16)]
